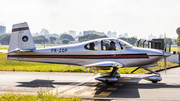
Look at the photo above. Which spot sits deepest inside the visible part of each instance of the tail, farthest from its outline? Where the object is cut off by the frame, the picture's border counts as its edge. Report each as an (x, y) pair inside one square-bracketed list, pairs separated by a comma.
[(21, 39)]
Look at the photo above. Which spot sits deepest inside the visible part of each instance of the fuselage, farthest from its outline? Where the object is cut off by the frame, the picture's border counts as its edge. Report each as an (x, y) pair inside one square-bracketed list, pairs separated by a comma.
[(82, 54)]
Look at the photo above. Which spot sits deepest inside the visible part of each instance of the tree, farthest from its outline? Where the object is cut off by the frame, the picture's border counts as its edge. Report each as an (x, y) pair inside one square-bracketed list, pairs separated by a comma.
[(169, 40), (52, 39), (67, 36), (90, 37), (178, 40), (65, 41), (131, 40), (174, 41), (40, 39), (5, 39)]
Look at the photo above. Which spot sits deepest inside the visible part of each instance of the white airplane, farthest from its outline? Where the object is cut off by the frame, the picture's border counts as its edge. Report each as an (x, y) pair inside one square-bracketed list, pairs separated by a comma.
[(104, 53)]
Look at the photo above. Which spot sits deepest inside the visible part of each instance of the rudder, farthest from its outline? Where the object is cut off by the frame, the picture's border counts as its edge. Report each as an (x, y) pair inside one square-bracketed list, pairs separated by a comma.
[(21, 38)]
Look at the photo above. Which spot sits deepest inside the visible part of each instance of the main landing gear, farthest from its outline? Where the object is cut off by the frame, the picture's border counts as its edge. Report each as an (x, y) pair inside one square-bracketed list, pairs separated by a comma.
[(109, 77)]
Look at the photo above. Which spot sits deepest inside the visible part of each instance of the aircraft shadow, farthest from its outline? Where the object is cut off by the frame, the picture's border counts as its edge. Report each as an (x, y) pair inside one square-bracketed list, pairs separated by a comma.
[(42, 83), (125, 88), (121, 89), (129, 89)]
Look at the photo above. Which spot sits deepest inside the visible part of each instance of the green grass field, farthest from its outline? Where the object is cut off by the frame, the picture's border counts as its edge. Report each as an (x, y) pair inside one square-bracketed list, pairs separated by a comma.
[(38, 97), (12, 65), (174, 49)]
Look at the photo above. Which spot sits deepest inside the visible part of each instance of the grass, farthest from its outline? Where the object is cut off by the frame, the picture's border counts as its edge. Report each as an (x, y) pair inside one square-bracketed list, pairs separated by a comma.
[(174, 49), (4, 47), (38, 97), (12, 65), (167, 48)]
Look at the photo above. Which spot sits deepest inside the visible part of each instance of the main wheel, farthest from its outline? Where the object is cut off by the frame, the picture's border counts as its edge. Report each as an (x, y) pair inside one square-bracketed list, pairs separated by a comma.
[(154, 81), (109, 83)]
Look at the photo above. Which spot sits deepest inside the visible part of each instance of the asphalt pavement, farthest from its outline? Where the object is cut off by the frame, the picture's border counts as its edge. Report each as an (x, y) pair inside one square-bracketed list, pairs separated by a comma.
[(83, 85)]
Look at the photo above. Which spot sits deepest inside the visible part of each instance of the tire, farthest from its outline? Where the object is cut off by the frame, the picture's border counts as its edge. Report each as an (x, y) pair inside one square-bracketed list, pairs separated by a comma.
[(154, 81), (109, 83), (118, 77)]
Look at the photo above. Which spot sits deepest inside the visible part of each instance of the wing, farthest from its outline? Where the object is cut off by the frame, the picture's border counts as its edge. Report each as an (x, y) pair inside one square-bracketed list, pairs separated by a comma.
[(105, 64)]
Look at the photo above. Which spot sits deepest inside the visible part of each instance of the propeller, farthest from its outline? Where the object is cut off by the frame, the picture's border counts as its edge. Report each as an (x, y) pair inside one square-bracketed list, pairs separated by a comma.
[(165, 43)]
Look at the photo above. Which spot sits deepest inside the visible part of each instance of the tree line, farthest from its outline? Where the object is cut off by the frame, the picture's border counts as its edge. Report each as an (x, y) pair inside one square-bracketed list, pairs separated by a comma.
[(66, 38)]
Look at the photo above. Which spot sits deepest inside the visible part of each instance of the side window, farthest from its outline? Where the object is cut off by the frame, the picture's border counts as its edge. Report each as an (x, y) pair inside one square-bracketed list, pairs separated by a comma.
[(91, 46), (108, 45), (123, 45)]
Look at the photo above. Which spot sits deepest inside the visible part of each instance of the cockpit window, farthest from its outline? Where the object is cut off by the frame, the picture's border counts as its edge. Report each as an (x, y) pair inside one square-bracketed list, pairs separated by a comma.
[(124, 44), (91, 46), (108, 45)]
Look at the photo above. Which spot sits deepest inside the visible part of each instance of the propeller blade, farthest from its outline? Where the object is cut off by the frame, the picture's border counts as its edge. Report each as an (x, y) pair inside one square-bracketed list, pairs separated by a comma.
[(165, 42), (165, 64), (164, 52)]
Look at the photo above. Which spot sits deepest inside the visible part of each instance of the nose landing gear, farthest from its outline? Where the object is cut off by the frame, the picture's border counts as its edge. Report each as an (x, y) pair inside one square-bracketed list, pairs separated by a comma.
[(153, 79)]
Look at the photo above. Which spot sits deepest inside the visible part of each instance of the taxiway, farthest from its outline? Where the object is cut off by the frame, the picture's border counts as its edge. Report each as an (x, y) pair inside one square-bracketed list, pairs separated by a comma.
[(83, 85)]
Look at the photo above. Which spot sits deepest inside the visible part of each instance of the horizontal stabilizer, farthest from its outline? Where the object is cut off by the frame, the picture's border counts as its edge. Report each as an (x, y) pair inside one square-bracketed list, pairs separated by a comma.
[(20, 51), (105, 64)]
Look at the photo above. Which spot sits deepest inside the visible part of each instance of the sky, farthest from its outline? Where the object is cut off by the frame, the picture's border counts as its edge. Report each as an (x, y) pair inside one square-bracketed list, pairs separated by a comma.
[(136, 17)]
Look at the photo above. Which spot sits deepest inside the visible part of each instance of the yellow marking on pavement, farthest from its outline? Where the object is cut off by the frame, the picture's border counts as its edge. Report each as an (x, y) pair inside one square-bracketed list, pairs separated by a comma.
[(72, 88), (96, 95), (127, 78), (118, 84), (102, 84), (104, 94), (96, 88), (123, 80), (93, 88), (112, 88), (90, 83)]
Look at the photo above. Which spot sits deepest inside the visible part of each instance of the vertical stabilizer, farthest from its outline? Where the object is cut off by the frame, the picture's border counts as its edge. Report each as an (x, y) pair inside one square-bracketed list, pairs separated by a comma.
[(21, 38)]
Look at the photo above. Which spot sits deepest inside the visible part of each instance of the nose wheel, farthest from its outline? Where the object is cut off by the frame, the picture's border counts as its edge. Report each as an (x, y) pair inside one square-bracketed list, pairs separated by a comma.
[(153, 79)]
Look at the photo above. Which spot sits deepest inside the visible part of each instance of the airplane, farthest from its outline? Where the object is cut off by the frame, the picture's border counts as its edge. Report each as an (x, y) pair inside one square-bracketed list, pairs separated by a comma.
[(101, 54)]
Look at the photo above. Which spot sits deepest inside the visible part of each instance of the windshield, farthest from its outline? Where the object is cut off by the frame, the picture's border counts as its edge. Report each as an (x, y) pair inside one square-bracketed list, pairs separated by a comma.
[(124, 44)]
